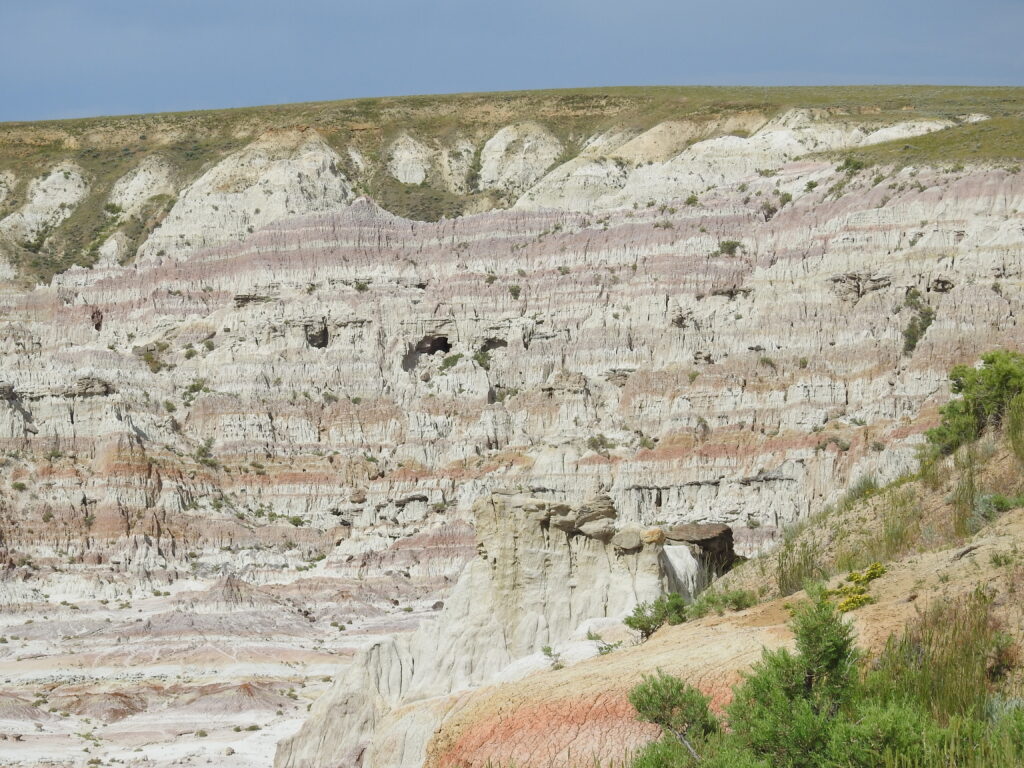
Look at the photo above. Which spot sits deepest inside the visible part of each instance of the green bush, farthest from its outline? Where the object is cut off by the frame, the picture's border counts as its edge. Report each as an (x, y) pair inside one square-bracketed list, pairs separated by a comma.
[(785, 707), (985, 395), (450, 361), (1001, 503), (719, 602), (851, 165), (938, 696), (729, 247), (874, 728), (666, 752), (648, 618), (679, 708), (923, 315), (722, 751)]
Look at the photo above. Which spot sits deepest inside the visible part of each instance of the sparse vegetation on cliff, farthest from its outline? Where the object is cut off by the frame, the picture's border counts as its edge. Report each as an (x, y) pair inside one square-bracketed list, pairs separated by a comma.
[(922, 318)]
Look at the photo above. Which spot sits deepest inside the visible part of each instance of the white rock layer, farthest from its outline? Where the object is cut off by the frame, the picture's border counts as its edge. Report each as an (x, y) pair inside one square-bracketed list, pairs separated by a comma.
[(281, 174)]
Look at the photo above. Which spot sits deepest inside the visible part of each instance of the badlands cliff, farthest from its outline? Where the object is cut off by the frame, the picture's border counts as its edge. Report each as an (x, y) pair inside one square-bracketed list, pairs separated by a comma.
[(307, 407)]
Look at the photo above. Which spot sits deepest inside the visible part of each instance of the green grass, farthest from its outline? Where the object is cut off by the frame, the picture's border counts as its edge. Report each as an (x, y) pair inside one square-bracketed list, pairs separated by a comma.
[(999, 141), (798, 563), (899, 534)]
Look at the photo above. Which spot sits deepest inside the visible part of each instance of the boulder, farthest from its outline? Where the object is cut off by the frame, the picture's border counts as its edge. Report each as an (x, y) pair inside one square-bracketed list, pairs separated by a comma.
[(713, 540)]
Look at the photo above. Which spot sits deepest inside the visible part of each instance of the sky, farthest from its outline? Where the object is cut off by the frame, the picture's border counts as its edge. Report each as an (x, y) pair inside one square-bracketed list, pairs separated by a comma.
[(77, 58)]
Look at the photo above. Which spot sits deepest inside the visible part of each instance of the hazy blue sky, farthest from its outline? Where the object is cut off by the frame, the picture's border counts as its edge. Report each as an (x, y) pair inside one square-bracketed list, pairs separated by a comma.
[(69, 58)]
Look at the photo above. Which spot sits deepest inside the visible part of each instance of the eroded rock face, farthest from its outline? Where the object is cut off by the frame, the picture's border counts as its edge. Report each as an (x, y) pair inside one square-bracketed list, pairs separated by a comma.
[(7, 181), (152, 177), (409, 160), (51, 199), (284, 173), (316, 406), (623, 177), (516, 157), (538, 576)]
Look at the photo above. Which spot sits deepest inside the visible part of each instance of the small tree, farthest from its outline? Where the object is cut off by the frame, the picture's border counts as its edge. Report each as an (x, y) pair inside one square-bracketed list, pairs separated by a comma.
[(678, 707), (786, 706)]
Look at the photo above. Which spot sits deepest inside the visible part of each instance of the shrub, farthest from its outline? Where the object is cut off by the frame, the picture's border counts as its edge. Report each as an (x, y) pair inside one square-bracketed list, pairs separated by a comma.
[(450, 361), (18, 486), (719, 602), (647, 618), (603, 646), (154, 363), (204, 454), (785, 706), (692, 200), (919, 323), (552, 656), (514, 291), (679, 708), (851, 165), (666, 752), (600, 444), (869, 574), (927, 701), (1001, 503), (985, 395), (876, 728), (724, 752), (729, 247)]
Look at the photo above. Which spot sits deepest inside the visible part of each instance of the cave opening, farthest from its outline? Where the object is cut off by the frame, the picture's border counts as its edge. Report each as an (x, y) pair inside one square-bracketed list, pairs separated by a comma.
[(317, 335), (492, 344), (430, 344)]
